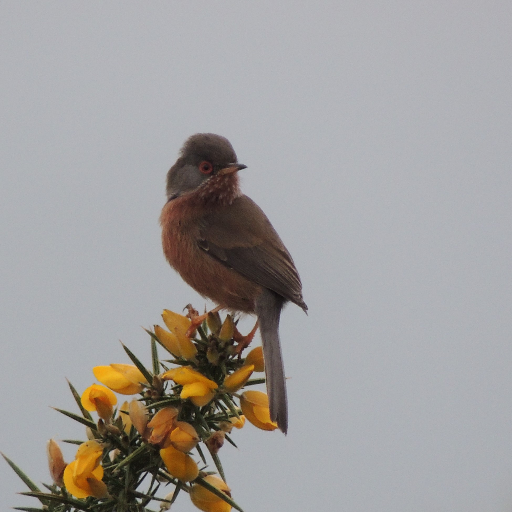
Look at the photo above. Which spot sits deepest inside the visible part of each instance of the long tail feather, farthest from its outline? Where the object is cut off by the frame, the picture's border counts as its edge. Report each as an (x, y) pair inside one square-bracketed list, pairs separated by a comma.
[(268, 309)]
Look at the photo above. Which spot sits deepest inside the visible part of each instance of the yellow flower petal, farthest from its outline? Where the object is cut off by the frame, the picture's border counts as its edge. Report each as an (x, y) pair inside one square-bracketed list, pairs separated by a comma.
[(99, 398), (168, 340), (237, 379), (255, 357), (88, 457), (254, 405), (97, 392), (81, 475), (199, 393), (238, 422), (201, 401), (179, 464), (77, 483), (178, 325), (89, 448), (184, 436), (164, 418), (196, 386), (187, 348), (161, 424), (122, 378), (227, 426), (207, 501), (186, 375)]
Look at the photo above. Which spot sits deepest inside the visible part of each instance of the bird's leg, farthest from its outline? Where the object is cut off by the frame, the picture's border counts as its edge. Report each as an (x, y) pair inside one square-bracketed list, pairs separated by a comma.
[(244, 341), (196, 319)]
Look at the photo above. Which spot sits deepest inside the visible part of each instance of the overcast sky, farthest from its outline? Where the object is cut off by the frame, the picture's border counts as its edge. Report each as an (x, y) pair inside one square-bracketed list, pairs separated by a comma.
[(378, 140)]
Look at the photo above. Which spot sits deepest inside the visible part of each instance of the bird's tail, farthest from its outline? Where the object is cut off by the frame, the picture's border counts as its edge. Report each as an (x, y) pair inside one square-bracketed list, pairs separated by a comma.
[(268, 309)]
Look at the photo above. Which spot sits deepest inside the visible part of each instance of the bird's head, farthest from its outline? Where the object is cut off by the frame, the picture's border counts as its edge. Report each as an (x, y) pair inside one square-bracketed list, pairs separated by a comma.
[(205, 158)]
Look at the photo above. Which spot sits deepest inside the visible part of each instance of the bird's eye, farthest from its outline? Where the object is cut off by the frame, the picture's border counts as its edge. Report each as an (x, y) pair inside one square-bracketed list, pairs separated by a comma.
[(206, 167)]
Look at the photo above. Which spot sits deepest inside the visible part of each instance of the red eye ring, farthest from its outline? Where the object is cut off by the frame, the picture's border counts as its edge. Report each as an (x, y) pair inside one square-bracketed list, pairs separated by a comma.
[(206, 167)]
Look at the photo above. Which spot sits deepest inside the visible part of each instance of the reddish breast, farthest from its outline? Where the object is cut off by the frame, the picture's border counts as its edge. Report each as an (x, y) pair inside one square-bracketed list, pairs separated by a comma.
[(180, 221)]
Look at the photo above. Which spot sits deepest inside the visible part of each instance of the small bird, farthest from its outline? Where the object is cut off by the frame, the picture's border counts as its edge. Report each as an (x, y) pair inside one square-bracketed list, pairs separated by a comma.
[(224, 246)]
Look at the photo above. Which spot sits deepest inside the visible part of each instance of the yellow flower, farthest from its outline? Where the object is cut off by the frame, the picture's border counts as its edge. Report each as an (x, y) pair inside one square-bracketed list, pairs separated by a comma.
[(207, 501), (179, 464), (126, 379), (184, 436), (56, 462), (82, 477), (254, 405), (255, 357), (101, 399), (237, 379), (196, 386), (176, 341), (161, 424)]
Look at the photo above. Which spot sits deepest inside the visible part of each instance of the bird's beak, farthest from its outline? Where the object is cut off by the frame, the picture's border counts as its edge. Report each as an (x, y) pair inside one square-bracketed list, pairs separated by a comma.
[(231, 168)]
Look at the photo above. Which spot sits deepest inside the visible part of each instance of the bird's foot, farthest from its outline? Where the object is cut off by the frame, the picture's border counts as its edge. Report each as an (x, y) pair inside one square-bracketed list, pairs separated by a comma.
[(244, 341), (196, 319)]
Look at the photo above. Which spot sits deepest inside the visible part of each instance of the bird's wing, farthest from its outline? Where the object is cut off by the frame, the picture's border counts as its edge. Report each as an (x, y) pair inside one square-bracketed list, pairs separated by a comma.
[(242, 238)]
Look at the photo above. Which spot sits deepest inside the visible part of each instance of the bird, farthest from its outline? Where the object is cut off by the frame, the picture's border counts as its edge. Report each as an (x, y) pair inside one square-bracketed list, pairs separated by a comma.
[(223, 245)]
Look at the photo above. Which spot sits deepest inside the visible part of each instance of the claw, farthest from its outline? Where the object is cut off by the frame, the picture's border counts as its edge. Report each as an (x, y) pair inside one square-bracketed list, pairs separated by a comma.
[(196, 319)]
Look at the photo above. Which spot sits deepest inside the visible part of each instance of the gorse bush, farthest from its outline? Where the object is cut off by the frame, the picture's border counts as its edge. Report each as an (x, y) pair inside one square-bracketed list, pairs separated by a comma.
[(165, 440)]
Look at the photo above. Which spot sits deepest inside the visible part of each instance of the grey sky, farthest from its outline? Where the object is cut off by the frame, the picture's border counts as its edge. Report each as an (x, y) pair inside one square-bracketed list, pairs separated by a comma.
[(378, 141)]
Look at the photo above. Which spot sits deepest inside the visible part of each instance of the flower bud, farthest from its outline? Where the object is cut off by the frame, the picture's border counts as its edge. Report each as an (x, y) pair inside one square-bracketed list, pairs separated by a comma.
[(166, 505), (98, 488), (138, 416), (215, 441), (123, 413), (227, 330), (112, 454), (213, 355), (112, 429), (56, 462), (234, 422), (213, 321)]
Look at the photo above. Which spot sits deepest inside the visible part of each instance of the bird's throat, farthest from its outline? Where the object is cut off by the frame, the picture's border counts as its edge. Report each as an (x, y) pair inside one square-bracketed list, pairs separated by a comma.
[(220, 190)]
